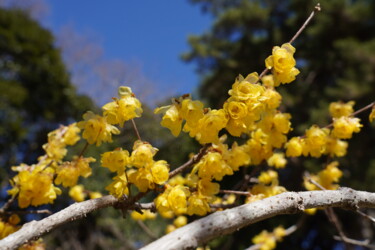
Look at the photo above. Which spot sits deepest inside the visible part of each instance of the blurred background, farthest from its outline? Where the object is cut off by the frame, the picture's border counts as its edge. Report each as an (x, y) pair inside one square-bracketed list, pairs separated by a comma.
[(59, 59)]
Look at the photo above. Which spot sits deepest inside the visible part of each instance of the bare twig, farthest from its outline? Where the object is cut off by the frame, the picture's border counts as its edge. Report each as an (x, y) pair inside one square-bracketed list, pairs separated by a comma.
[(235, 192), (136, 130), (317, 8), (196, 158), (146, 230), (7, 204)]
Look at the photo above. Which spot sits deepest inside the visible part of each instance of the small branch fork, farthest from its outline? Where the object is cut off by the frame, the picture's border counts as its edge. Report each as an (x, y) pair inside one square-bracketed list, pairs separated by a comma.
[(336, 222)]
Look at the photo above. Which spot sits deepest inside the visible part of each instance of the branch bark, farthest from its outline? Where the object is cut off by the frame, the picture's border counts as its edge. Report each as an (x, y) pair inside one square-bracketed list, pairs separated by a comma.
[(230, 220), (35, 229), (209, 227)]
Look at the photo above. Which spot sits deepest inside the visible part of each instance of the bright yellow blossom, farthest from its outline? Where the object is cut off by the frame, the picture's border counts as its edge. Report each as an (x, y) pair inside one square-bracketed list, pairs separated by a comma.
[(315, 141), (97, 129), (326, 178), (245, 88), (123, 109), (142, 154), (77, 193), (344, 127), (282, 64), (146, 215), (172, 118), (197, 205), (191, 111), (338, 109), (294, 147), (372, 114), (180, 221), (71, 135), (119, 186), (160, 171), (34, 188), (116, 160), (209, 126), (277, 160)]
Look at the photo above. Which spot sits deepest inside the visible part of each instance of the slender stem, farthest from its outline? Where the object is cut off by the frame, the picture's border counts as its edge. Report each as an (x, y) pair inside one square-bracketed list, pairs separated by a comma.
[(196, 158), (83, 150), (7, 204), (316, 9), (363, 109), (136, 130), (146, 230), (235, 192)]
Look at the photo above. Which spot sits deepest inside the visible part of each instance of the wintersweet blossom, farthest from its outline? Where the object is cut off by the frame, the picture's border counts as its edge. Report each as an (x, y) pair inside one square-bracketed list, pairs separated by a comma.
[(344, 127), (282, 64), (96, 128)]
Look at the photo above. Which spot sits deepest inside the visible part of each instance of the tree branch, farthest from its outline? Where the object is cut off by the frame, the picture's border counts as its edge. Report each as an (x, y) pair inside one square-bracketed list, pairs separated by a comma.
[(35, 229), (207, 228), (230, 220)]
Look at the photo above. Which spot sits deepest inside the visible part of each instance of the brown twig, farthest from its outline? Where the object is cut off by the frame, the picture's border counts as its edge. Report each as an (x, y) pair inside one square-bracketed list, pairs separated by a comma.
[(317, 8), (42, 211), (235, 192), (146, 229), (136, 130), (196, 158), (7, 204), (336, 222)]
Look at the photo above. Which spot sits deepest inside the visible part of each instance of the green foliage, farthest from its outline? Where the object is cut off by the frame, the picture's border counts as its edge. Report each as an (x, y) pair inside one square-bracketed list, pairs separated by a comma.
[(35, 90)]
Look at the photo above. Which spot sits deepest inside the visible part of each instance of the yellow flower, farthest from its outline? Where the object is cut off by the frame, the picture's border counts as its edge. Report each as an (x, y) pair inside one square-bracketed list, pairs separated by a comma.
[(95, 195), (142, 154), (210, 125), (294, 147), (237, 156), (160, 171), (236, 110), (191, 111), (267, 81), (116, 160), (326, 178), (180, 221), (282, 63), (77, 193), (344, 127), (315, 141), (208, 188), (245, 88), (119, 187), (146, 215), (372, 114), (71, 135), (212, 166), (336, 147), (97, 129), (123, 109), (34, 188), (142, 179), (267, 177), (277, 160), (177, 199), (197, 205), (338, 109)]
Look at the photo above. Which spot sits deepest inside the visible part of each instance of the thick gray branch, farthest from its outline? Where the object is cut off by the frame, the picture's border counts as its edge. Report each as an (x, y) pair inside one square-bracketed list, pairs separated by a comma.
[(35, 229), (227, 221), (209, 227)]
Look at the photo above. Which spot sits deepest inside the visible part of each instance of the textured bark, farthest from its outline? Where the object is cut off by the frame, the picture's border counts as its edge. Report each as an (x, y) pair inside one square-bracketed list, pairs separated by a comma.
[(227, 221), (35, 229), (209, 227)]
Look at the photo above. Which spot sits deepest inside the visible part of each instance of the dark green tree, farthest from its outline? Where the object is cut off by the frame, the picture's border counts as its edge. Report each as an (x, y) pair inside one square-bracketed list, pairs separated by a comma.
[(335, 55), (35, 90)]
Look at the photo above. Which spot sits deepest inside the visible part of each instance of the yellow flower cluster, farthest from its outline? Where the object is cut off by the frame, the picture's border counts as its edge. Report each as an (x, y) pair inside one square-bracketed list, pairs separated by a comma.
[(146, 174), (98, 129), (267, 240), (69, 172), (326, 178), (317, 142), (9, 226), (58, 139), (282, 64), (34, 187), (268, 186)]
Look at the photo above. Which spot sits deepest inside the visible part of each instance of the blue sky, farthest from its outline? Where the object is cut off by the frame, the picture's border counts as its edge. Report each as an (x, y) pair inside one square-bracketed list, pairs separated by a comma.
[(153, 33)]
